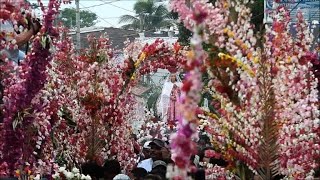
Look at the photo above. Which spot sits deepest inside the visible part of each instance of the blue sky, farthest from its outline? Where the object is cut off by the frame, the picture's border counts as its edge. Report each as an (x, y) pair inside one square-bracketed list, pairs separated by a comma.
[(108, 11)]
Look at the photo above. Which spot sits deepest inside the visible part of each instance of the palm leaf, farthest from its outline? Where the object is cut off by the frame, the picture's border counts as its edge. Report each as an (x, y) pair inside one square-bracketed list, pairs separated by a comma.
[(135, 25), (144, 6), (128, 19), (161, 10), (268, 151)]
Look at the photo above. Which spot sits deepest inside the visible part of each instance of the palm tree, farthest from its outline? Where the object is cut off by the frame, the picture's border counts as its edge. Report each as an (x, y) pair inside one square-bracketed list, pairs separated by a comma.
[(149, 16)]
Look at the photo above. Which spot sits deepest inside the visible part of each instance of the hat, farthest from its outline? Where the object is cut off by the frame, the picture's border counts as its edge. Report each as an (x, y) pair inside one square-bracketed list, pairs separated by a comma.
[(158, 163), (146, 145), (158, 142), (121, 177)]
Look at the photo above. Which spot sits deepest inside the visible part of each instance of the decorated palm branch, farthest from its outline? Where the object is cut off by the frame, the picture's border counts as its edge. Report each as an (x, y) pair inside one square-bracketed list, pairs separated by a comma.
[(253, 82)]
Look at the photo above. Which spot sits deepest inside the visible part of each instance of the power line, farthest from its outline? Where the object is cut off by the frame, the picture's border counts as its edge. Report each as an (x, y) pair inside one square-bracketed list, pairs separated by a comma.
[(111, 17), (109, 2), (99, 16), (118, 7)]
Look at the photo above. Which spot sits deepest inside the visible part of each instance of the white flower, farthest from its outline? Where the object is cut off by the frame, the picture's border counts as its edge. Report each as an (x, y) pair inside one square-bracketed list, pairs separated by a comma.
[(88, 177), (69, 175), (77, 175), (61, 169), (55, 176), (82, 176), (37, 177), (75, 170)]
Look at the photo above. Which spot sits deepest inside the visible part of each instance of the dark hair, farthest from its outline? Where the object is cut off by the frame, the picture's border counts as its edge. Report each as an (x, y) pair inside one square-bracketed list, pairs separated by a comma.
[(204, 138), (139, 173), (92, 169), (112, 166), (152, 177), (199, 174)]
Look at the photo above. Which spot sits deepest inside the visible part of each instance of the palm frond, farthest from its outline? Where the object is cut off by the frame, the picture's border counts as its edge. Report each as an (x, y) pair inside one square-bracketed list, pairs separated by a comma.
[(144, 6), (128, 19), (134, 26), (161, 10), (268, 151)]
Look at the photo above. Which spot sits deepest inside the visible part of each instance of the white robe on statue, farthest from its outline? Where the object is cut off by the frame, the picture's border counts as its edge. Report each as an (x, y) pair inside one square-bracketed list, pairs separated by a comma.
[(165, 97)]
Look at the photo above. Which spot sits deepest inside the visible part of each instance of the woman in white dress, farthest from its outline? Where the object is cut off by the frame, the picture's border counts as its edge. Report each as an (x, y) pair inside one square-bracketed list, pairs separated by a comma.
[(169, 97)]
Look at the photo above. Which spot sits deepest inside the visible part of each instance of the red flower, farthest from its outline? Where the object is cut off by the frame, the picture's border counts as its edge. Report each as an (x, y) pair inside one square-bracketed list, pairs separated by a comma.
[(186, 86), (180, 162), (212, 154), (176, 47)]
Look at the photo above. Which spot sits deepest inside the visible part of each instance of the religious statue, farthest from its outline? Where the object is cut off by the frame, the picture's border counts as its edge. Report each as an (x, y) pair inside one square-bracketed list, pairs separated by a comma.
[(169, 99)]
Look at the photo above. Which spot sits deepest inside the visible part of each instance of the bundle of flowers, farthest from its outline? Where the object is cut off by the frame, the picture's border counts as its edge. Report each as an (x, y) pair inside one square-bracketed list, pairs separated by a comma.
[(264, 92), (91, 119), (21, 86)]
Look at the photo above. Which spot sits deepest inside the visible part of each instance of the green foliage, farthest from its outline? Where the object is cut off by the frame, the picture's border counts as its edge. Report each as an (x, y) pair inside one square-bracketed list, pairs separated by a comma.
[(257, 10), (184, 33), (149, 16), (87, 18)]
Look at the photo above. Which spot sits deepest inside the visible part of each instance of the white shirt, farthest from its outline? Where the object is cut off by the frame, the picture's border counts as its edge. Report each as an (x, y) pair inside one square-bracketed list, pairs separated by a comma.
[(146, 164)]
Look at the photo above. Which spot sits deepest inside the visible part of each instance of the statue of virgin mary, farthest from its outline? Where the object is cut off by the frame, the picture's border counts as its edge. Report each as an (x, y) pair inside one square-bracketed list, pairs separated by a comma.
[(169, 98)]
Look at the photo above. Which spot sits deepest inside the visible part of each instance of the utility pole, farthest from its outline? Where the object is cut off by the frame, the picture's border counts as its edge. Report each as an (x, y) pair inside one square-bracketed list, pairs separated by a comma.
[(78, 26)]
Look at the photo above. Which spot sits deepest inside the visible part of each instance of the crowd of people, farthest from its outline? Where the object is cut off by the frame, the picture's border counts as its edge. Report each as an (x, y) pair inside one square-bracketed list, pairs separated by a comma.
[(153, 160)]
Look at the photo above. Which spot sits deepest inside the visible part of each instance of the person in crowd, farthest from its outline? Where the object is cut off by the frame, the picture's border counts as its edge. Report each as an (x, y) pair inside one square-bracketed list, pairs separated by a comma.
[(111, 169), (145, 161), (7, 28), (121, 177), (160, 151), (152, 177), (159, 168), (204, 141), (199, 174), (93, 170), (138, 173), (146, 150)]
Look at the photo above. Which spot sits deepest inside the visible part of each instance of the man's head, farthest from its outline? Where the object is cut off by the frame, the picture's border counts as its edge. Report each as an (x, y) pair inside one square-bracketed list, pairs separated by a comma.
[(159, 168), (111, 169), (204, 141), (121, 177), (158, 148), (146, 149), (152, 177), (139, 173), (93, 170)]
